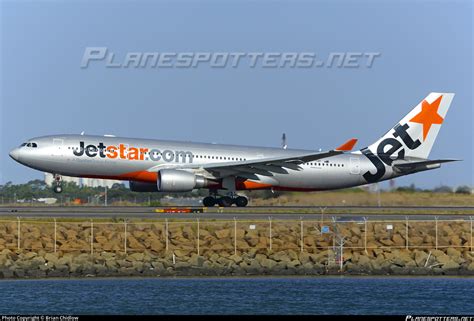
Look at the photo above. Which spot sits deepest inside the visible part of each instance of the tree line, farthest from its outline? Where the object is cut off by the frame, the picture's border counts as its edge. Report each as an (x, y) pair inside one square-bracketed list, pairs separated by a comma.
[(33, 190)]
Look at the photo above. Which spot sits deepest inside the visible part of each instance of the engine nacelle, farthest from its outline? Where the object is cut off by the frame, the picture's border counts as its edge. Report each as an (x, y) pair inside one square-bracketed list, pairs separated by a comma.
[(143, 187), (172, 180)]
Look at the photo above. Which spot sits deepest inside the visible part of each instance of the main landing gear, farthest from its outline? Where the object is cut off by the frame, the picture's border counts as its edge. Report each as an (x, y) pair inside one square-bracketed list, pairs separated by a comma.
[(57, 184), (225, 201)]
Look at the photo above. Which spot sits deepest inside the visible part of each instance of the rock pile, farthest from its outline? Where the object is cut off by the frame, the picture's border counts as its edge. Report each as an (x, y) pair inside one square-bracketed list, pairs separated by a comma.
[(222, 248)]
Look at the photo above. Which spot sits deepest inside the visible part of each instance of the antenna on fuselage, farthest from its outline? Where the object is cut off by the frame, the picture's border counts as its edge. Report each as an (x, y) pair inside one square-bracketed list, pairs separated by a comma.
[(283, 141)]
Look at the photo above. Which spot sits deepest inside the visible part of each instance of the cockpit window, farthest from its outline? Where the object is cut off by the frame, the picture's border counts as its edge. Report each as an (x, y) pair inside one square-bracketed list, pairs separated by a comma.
[(33, 145)]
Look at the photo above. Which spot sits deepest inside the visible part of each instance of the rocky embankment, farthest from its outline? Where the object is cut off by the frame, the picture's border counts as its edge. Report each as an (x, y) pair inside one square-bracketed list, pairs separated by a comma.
[(233, 249)]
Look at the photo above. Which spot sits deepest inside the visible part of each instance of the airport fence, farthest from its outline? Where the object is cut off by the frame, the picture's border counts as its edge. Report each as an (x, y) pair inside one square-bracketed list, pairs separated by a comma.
[(205, 237)]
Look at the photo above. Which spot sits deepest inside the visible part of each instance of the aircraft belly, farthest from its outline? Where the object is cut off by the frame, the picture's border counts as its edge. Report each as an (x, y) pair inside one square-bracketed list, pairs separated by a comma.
[(91, 166), (319, 178)]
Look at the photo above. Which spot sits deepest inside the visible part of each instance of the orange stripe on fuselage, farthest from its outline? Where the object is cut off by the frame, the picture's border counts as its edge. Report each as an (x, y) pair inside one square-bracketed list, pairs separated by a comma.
[(251, 185), (141, 176), (243, 185)]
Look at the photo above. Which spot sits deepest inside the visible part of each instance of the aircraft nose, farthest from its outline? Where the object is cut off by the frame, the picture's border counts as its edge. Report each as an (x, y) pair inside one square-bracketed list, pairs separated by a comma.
[(15, 154)]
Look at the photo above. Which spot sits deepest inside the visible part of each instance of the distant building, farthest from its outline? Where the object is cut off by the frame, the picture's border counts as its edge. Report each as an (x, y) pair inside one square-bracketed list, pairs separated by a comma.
[(47, 200), (90, 182), (98, 182)]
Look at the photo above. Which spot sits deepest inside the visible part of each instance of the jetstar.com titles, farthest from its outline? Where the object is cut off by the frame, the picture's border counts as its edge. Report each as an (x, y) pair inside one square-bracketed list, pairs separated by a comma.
[(123, 151)]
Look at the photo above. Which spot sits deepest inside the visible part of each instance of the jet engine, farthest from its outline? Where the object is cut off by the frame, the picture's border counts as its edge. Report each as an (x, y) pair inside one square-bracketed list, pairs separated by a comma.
[(172, 180), (143, 187)]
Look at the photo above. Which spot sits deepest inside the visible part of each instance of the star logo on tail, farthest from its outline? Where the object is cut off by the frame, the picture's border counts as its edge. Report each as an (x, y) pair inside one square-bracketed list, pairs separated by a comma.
[(428, 115)]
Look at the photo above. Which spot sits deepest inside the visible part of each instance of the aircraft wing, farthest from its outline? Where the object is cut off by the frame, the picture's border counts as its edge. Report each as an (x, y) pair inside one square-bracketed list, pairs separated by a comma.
[(263, 166)]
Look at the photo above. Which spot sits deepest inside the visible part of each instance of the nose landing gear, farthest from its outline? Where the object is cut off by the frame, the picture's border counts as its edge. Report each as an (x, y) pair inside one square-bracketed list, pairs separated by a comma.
[(57, 184)]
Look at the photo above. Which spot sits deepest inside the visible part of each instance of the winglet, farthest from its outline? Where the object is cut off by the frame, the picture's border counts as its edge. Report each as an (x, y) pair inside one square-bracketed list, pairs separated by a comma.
[(347, 146)]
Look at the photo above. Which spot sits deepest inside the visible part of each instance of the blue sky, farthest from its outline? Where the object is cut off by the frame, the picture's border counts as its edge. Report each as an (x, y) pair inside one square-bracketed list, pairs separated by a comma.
[(425, 46)]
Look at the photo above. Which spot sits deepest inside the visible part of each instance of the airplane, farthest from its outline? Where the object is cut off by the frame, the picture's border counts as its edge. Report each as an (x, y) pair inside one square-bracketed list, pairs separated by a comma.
[(171, 166)]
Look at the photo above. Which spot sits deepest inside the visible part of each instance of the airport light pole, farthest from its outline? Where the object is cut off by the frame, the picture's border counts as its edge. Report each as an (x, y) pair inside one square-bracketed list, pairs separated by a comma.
[(470, 217), (322, 218), (342, 241), (105, 196), (365, 235), (379, 203)]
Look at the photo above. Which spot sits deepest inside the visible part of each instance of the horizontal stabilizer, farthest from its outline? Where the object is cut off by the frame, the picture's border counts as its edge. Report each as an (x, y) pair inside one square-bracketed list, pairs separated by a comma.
[(422, 165)]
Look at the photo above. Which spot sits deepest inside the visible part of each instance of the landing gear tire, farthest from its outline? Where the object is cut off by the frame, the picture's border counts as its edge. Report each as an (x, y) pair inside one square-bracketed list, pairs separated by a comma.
[(57, 188), (241, 201), (209, 201), (225, 201)]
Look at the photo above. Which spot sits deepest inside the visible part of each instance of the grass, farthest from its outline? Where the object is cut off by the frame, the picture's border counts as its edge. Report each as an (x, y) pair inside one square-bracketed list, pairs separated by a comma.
[(346, 197), (363, 198), (327, 215), (317, 201)]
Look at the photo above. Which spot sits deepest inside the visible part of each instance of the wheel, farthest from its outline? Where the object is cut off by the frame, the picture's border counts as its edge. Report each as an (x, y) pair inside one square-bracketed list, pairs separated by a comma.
[(57, 189), (225, 201), (241, 201), (209, 201)]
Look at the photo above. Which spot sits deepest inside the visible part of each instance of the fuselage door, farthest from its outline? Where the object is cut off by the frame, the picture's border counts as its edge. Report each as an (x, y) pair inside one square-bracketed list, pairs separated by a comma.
[(58, 146), (354, 165)]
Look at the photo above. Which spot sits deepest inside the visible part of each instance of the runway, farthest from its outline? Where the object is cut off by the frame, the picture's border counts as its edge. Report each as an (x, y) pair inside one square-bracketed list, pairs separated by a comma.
[(339, 213)]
